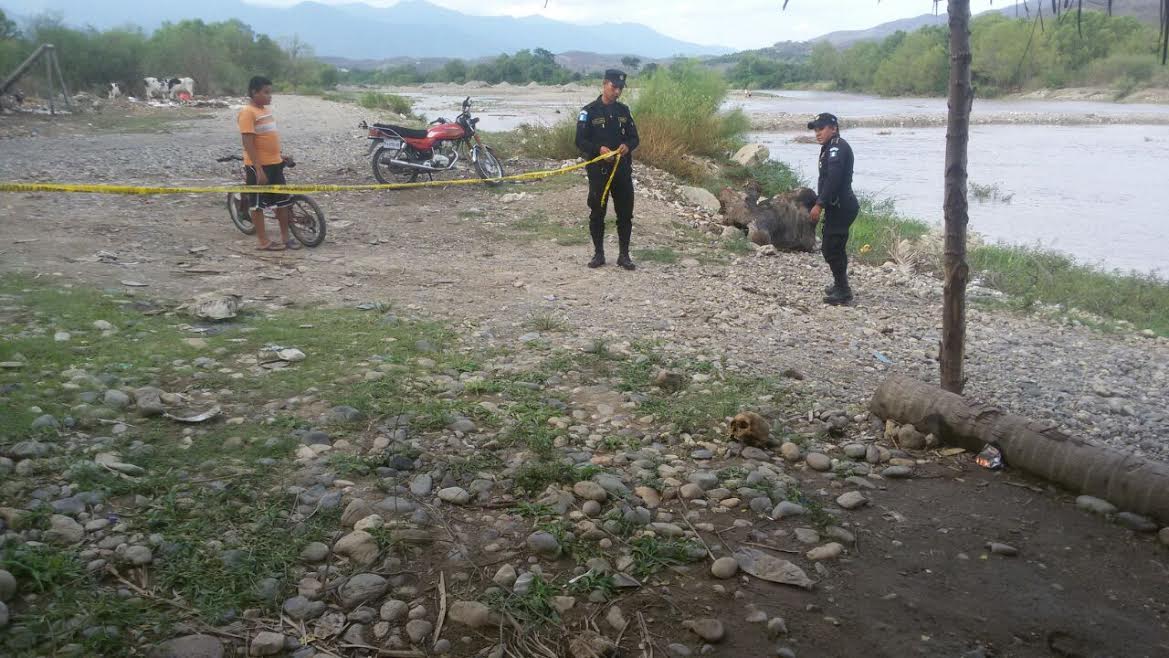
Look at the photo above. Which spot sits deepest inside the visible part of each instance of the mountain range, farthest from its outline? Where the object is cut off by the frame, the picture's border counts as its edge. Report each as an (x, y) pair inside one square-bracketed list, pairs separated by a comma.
[(357, 31), (1145, 10)]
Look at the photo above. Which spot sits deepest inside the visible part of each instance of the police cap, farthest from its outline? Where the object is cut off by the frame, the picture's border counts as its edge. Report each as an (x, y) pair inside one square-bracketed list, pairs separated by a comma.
[(821, 120), (616, 77)]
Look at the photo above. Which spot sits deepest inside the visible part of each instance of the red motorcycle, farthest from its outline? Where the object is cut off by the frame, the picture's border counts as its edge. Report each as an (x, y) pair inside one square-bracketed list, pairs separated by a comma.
[(400, 154)]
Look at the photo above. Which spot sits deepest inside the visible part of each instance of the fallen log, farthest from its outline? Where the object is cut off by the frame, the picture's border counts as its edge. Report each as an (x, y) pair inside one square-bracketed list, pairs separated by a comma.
[(1132, 483)]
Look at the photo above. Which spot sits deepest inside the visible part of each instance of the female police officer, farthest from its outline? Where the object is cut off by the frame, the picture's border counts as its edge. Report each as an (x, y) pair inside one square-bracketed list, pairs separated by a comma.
[(835, 199)]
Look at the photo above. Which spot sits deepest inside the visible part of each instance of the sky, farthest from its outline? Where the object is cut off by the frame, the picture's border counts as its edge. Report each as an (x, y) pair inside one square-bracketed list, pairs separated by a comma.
[(740, 24)]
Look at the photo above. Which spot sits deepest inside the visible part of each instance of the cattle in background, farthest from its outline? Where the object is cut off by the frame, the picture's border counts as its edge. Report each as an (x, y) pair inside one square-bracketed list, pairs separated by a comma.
[(115, 90), (175, 86), (154, 88)]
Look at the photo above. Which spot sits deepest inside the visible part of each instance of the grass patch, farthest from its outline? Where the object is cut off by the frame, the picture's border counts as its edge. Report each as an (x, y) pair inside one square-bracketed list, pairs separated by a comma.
[(372, 100), (533, 608), (739, 245), (535, 477), (538, 226), (555, 142), (652, 554), (879, 229), (1033, 276), (546, 321), (665, 255)]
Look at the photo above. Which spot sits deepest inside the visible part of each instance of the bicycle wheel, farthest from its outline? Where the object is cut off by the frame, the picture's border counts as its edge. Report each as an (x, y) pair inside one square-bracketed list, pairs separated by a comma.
[(307, 222), (237, 209)]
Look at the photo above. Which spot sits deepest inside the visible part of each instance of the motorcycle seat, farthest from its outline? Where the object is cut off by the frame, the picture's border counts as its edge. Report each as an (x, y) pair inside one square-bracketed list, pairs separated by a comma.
[(412, 133)]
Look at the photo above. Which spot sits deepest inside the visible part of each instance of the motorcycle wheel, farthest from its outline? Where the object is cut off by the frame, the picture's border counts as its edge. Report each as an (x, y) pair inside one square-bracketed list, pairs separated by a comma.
[(385, 172), (307, 222), (488, 166), (237, 209)]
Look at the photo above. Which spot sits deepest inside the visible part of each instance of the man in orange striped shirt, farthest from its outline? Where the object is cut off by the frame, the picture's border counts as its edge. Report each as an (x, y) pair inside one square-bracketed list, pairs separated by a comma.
[(264, 164)]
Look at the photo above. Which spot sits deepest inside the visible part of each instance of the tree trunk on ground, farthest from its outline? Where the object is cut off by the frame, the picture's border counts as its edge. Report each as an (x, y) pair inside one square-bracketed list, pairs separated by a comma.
[(1131, 483), (961, 100)]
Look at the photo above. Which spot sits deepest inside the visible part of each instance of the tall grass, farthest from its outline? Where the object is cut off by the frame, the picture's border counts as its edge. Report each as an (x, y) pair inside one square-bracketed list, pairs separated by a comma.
[(1029, 275), (1035, 275), (372, 100), (677, 114)]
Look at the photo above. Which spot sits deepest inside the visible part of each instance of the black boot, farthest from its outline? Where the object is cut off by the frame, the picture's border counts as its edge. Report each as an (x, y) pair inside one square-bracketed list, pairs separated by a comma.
[(841, 293), (598, 260), (830, 288), (624, 233)]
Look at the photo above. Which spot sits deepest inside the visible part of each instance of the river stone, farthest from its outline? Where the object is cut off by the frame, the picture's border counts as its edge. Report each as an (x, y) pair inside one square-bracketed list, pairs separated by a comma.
[(505, 577), (393, 610), (790, 451), (1002, 549), (818, 461), (470, 613), (7, 585), (418, 630), (359, 546), (852, 500), (710, 630), (361, 588), (454, 495), (137, 555), (266, 643), (1135, 522), (64, 530), (421, 485), (1097, 505), (189, 646), (301, 609), (856, 450), (116, 399), (314, 552), (543, 543), (897, 472), (787, 508), (825, 552), (701, 197), (590, 491), (45, 422), (1164, 536), (724, 567)]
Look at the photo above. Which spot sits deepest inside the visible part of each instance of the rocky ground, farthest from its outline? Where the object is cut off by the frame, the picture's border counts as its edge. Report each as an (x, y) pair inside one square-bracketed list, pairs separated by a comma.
[(480, 447)]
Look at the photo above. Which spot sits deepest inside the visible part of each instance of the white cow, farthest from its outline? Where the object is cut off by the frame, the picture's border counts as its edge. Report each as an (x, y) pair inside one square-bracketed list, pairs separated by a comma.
[(115, 90), (178, 85), (154, 88)]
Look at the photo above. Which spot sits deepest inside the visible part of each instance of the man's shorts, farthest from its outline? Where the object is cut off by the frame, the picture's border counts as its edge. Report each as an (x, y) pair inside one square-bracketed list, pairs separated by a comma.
[(275, 175)]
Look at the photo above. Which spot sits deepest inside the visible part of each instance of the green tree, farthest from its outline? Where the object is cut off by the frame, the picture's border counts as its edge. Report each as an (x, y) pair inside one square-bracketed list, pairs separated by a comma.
[(633, 63), (8, 29), (825, 62), (918, 65)]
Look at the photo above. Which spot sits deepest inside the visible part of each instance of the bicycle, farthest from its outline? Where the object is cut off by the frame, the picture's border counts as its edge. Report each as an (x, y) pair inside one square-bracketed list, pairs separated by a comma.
[(306, 221)]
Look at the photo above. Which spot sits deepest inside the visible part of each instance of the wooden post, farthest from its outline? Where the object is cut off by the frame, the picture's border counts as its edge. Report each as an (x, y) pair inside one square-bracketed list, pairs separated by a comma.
[(61, 79), (49, 77), (957, 272)]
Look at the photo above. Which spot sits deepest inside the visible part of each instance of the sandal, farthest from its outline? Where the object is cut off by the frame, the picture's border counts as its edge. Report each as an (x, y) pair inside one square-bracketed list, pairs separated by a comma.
[(292, 243), (271, 246)]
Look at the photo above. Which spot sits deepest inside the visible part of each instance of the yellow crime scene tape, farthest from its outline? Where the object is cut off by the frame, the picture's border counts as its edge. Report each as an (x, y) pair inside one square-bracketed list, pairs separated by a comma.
[(81, 188)]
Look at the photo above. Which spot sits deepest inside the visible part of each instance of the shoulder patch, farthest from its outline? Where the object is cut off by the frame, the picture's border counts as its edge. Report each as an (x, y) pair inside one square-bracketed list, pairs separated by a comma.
[(833, 152), (584, 115)]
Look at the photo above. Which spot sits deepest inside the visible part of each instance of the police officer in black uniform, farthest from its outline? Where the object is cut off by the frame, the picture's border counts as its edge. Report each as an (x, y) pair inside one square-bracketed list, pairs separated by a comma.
[(835, 199), (605, 125)]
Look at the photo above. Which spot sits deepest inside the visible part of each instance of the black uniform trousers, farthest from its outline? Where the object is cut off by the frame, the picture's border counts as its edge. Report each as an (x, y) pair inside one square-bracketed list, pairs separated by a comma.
[(838, 220), (621, 192)]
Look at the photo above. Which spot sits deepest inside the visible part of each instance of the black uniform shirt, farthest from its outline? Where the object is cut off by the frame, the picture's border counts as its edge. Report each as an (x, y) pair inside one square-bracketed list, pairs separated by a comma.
[(606, 125), (835, 184)]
